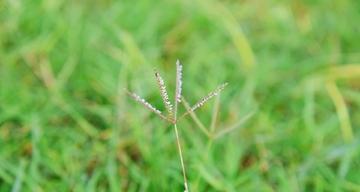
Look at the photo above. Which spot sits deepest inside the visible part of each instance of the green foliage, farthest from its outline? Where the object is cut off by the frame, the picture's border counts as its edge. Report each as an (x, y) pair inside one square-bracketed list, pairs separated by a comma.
[(67, 125)]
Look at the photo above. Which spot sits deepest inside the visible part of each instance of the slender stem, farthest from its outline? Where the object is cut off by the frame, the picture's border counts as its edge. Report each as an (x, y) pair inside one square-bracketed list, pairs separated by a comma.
[(181, 158)]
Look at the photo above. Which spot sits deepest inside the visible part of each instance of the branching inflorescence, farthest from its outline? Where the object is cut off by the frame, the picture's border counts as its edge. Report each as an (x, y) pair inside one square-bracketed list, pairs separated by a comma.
[(172, 110)]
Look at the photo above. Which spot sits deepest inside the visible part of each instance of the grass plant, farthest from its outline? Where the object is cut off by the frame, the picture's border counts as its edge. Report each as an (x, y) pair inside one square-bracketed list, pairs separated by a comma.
[(171, 116)]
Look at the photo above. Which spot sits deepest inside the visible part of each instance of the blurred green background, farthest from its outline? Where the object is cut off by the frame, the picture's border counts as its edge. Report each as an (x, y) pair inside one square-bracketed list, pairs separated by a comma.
[(66, 124)]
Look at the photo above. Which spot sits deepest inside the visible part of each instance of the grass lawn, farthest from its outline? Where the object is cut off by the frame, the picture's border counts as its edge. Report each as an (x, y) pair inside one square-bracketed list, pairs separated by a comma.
[(66, 123)]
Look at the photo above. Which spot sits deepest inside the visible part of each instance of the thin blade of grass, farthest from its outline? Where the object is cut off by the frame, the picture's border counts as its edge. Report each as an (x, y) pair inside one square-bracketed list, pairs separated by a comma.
[(66, 72), (212, 176), (19, 178), (227, 19), (233, 127), (83, 123), (215, 114), (46, 75), (347, 71), (341, 110)]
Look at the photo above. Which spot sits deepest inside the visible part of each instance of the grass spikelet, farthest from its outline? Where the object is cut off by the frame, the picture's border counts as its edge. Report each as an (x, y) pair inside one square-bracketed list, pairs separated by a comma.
[(206, 99), (146, 104), (178, 81), (178, 87), (164, 94)]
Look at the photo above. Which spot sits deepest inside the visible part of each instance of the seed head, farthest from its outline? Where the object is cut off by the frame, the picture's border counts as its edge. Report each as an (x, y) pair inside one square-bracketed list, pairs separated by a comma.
[(164, 94)]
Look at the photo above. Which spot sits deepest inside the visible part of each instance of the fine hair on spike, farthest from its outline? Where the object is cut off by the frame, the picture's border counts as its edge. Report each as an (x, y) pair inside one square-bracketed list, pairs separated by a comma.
[(178, 87), (164, 94), (146, 104), (206, 98), (178, 81)]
